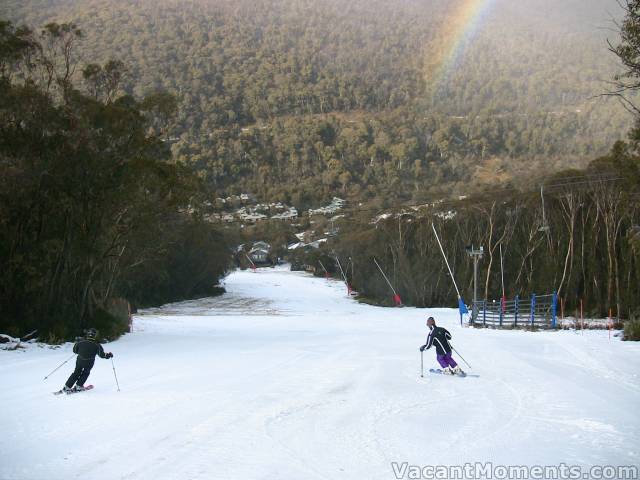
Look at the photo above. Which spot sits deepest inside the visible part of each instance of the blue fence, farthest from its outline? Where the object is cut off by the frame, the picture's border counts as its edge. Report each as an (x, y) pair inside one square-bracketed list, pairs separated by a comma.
[(537, 311)]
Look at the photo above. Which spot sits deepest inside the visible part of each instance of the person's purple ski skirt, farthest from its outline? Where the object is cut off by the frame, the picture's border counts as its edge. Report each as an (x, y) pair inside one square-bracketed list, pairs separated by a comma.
[(446, 361)]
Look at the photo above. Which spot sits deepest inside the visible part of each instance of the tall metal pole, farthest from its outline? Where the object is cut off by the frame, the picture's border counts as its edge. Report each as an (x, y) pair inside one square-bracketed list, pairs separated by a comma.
[(503, 300), (253, 265), (446, 261), (320, 262), (385, 277), (502, 271), (346, 282), (475, 285), (477, 255), (344, 277)]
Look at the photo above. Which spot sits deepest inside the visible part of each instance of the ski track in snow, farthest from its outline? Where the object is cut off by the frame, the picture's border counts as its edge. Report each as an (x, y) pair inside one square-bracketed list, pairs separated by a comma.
[(284, 377)]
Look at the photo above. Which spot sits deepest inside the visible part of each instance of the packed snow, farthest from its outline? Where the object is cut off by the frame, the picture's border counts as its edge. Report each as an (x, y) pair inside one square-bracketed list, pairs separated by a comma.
[(286, 377)]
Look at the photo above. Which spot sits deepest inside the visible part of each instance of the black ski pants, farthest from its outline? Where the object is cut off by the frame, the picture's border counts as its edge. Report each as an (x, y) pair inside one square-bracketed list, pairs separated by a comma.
[(81, 373)]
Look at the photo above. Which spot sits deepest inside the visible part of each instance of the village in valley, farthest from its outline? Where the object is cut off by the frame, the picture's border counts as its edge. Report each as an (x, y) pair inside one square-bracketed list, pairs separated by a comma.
[(311, 228)]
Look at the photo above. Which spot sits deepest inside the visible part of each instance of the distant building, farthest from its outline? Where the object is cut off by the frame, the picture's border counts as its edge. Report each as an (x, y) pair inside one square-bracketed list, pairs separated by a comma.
[(335, 205), (295, 246), (263, 245), (289, 215), (252, 217), (260, 253), (259, 256), (307, 246)]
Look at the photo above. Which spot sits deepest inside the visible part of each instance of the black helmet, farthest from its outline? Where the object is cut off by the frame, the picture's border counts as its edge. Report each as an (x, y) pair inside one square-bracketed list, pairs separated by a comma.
[(91, 333)]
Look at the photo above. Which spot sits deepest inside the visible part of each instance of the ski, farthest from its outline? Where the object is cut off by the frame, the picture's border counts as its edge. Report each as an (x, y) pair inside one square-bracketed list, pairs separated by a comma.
[(59, 392), (439, 371)]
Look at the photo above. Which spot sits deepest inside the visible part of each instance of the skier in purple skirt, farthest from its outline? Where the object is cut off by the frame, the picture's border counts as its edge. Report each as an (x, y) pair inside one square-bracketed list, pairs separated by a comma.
[(440, 337)]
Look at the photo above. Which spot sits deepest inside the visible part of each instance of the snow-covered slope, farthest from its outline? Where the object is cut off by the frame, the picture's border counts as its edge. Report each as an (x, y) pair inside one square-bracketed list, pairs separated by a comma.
[(285, 377)]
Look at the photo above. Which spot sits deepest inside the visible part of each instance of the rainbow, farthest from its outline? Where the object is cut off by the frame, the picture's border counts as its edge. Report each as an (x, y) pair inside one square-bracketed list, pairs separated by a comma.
[(458, 28)]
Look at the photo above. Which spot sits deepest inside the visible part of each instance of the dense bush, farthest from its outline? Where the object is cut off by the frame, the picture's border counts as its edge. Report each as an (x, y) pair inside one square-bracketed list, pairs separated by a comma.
[(89, 196), (632, 330)]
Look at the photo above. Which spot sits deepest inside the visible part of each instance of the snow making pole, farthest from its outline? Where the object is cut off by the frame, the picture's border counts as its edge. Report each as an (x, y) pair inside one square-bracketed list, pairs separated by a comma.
[(353, 266), (445, 260), (344, 277), (326, 274), (461, 306), (396, 297), (253, 265)]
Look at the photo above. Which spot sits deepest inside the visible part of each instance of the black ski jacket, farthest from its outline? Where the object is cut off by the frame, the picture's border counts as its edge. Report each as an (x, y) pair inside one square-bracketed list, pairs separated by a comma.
[(88, 349), (440, 338)]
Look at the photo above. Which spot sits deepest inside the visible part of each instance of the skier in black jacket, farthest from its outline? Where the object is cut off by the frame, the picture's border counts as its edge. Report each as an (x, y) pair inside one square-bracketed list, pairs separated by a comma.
[(440, 337), (87, 349)]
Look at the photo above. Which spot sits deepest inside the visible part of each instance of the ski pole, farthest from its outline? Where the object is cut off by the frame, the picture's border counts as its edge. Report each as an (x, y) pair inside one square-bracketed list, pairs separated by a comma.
[(458, 353), (114, 373), (422, 363), (56, 369)]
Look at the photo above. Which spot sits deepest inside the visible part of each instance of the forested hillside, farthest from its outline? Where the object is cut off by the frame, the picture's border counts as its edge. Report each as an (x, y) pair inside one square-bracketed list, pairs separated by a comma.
[(295, 100), (93, 214)]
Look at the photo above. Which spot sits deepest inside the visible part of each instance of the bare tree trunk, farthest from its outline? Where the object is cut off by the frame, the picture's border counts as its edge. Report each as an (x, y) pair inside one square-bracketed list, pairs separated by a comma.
[(490, 250), (532, 246), (569, 210)]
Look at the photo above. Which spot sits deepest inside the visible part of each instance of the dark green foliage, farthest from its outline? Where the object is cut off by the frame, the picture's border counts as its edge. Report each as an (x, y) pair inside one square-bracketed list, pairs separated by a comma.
[(632, 330), (197, 256), (628, 51), (295, 100), (110, 324), (87, 195)]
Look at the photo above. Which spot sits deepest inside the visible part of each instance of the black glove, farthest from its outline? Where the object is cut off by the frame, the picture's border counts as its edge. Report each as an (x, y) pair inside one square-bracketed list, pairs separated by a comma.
[(109, 355), (422, 348)]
